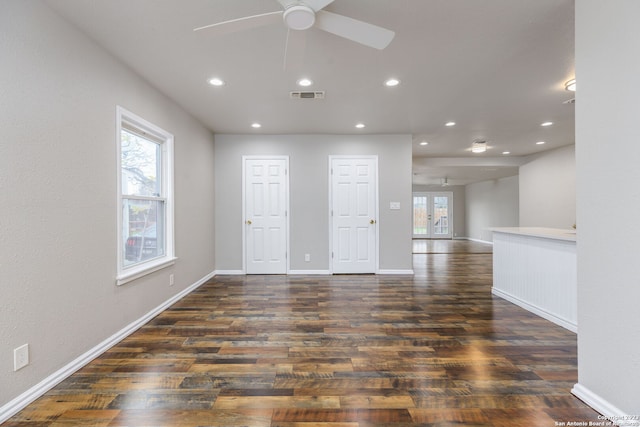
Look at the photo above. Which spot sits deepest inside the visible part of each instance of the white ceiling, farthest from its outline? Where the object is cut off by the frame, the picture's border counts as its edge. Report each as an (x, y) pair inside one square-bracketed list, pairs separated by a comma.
[(495, 67)]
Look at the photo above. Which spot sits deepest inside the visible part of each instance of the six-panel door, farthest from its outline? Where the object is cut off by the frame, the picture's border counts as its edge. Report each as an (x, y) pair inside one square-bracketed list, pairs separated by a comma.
[(353, 210), (266, 216)]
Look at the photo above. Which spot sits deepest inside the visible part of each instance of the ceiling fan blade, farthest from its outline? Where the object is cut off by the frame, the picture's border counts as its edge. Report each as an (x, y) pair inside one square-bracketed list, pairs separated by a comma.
[(352, 29), (294, 50), (245, 23), (318, 4)]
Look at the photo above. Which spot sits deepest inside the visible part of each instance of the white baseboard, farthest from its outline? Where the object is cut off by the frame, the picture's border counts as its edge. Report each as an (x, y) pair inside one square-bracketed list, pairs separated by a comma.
[(14, 406), (601, 405), (229, 272), (396, 272), (310, 272), (479, 241), (573, 327)]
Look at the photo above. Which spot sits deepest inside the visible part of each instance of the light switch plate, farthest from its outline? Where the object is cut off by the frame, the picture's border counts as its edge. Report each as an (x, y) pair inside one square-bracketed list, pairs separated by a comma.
[(394, 205)]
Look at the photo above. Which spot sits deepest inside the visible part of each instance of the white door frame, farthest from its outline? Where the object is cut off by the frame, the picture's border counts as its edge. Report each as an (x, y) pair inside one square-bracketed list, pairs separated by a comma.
[(244, 208), (377, 208)]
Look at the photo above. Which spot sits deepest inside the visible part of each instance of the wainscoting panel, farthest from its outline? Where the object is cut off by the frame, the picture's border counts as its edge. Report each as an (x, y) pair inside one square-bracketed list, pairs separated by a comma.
[(538, 274)]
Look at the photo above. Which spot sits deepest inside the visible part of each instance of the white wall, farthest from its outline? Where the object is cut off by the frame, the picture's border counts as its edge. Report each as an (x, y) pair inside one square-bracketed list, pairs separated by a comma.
[(458, 205), (608, 202), (548, 189), (58, 194), (491, 204), (309, 197)]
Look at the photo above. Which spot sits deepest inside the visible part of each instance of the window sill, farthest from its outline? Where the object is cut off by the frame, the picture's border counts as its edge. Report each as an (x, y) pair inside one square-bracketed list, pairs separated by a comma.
[(143, 270)]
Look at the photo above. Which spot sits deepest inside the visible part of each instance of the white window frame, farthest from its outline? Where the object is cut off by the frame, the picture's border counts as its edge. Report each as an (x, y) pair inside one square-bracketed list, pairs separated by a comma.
[(165, 139)]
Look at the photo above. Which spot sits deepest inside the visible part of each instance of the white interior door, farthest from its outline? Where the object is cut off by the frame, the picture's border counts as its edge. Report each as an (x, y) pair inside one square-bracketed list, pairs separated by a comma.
[(354, 214), (432, 213), (265, 215)]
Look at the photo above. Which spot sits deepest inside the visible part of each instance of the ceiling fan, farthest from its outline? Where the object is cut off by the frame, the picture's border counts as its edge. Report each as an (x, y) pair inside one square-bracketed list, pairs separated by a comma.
[(304, 14)]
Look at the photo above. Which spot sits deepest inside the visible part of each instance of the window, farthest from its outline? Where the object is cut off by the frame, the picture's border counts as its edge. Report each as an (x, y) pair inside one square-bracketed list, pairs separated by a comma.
[(145, 193), (420, 223)]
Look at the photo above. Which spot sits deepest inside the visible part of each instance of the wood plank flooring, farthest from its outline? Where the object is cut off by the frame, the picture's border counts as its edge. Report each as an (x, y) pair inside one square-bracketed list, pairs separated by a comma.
[(436, 349)]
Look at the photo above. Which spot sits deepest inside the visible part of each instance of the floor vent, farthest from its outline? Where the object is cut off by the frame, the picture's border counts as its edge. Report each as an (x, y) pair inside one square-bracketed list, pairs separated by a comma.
[(306, 95)]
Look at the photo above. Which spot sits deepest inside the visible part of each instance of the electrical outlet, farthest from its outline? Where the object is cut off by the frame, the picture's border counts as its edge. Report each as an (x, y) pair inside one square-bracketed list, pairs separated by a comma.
[(171, 281), (20, 357), (307, 257)]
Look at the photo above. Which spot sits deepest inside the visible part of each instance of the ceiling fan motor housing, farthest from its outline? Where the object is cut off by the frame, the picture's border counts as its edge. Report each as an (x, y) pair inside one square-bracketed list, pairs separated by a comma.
[(299, 17)]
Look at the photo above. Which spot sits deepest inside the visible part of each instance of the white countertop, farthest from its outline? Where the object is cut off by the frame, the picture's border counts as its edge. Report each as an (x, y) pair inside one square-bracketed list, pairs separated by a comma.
[(546, 233)]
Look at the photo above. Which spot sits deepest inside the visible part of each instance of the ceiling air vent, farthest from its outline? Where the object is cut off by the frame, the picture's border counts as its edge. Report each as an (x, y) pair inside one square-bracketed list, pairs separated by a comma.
[(570, 101), (306, 95)]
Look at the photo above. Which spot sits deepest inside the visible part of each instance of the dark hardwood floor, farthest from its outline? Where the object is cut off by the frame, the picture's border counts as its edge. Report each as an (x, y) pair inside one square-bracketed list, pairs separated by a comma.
[(435, 349)]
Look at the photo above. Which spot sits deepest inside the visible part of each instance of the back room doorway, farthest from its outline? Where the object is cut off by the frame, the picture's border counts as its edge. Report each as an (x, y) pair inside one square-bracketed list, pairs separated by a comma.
[(433, 215)]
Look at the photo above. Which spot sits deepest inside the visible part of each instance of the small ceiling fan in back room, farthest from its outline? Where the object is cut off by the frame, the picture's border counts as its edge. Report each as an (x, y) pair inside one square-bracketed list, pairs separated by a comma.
[(303, 15)]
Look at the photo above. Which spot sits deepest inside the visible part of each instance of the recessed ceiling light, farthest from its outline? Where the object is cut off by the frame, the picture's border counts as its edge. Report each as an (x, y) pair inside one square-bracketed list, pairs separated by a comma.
[(424, 143), (546, 124), (215, 81), (506, 152), (392, 82), (570, 85), (540, 142), (256, 125), (305, 82), (450, 124), (360, 125), (479, 147)]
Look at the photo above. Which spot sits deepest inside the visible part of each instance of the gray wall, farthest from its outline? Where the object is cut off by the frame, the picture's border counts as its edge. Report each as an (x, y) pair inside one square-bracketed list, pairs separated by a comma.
[(542, 195), (548, 189), (58, 194), (491, 204), (608, 200), (459, 230), (309, 197)]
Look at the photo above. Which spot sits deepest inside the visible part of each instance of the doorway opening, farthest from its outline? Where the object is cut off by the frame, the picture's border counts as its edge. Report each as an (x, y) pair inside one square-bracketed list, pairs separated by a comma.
[(433, 215)]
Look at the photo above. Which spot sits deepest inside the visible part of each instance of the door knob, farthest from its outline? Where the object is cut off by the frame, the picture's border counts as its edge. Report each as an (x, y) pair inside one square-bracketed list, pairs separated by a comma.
[(373, 221), (249, 222)]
